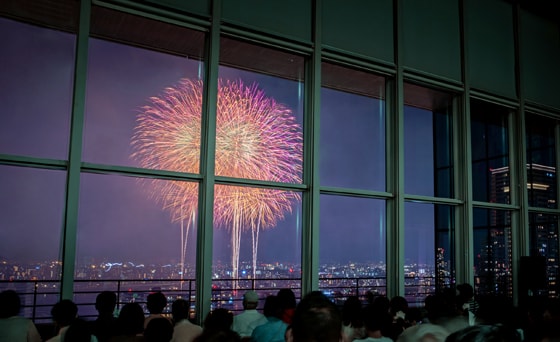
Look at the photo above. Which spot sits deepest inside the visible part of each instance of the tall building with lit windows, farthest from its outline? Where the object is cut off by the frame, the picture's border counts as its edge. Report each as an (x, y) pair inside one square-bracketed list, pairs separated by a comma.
[(208, 147)]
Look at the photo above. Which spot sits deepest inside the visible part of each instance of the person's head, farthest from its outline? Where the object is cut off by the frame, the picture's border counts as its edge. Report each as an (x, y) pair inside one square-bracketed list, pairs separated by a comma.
[(352, 312), (10, 304), (316, 318), (105, 302), (64, 312), (376, 320), (79, 331), (398, 304), (156, 302), (250, 300), (287, 298), (131, 319), (485, 333), (424, 333), (465, 291), (180, 310), (218, 320), (158, 330), (272, 307)]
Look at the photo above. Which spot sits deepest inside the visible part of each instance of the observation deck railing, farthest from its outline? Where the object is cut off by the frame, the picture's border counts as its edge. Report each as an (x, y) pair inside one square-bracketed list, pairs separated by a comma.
[(38, 296)]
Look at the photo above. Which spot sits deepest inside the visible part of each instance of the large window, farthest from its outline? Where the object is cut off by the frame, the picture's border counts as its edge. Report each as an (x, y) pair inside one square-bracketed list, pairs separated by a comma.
[(259, 136), (352, 246), (490, 153), (429, 249), (352, 129), (428, 145), (32, 208), (542, 182), (36, 63), (492, 252), (144, 91)]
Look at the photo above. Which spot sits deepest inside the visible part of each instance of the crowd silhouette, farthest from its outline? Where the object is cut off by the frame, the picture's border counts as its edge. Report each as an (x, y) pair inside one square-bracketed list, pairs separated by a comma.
[(451, 315)]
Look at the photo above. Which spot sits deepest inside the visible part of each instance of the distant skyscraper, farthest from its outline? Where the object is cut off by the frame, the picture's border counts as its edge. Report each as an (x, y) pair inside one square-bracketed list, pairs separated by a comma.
[(495, 258)]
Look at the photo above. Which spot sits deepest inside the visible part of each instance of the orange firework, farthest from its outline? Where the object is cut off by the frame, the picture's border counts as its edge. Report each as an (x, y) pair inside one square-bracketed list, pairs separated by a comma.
[(256, 138)]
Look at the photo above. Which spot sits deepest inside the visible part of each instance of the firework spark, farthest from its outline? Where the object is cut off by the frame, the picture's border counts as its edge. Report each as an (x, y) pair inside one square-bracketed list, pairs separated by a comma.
[(256, 138)]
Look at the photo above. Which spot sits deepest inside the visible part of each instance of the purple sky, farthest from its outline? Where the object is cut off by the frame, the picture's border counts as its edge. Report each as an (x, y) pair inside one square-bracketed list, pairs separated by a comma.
[(118, 220)]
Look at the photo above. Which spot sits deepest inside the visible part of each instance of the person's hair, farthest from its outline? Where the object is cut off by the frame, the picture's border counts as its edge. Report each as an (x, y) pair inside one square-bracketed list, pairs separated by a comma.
[(78, 331), (158, 330), (465, 290), (156, 302), (316, 318), (485, 333), (180, 310), (375, 319), (272, 307), (352, 312), (105, 302), (10, 304), (218, 320), (287, 298), (64, 312), (131, 319), (398, 303)]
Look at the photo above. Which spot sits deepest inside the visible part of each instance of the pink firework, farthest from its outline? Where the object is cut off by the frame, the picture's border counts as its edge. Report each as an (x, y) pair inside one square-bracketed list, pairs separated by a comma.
[(256, 138)]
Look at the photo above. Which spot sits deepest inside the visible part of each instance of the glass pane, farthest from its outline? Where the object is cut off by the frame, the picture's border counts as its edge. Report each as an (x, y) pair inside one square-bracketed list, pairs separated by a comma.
[(543, 230), (260, 114), (257, 243), (492, 248), (352, 149), (37, 75), (429, 249), (542, 183), (144, 90), (490, 153), (428, 149), (352, 247), (136, 235), (32, 211)]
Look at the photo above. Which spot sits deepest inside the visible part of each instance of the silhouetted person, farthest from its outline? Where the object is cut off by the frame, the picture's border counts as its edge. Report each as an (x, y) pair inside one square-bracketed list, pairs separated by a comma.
[(315, 319), (130, 324), (352, 320), (376, 322), (485, 333), (217, 327), (14, 328), (158, 330), (63, 314), (79, 331), (184, 330), (274, 329), (104, 326), (288, 302), (245, 322), (156, 303)]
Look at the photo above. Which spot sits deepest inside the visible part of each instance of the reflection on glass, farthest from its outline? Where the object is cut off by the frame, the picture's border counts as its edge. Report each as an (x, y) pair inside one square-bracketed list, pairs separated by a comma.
[(542, 182), (492, 248), (32, 211), (257, 238), (143, 95), (259, 119), (429, 249), (37, 75), (490, 153), (352, 149), (543, 231), (352, 246), (428, 149)]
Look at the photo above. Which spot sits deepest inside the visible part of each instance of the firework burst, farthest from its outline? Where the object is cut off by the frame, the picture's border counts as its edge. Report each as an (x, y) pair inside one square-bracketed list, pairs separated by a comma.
[(256, 138)]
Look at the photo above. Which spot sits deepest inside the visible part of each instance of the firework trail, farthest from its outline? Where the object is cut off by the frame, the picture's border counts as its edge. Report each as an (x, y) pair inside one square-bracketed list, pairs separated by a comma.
[(256, 138)]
